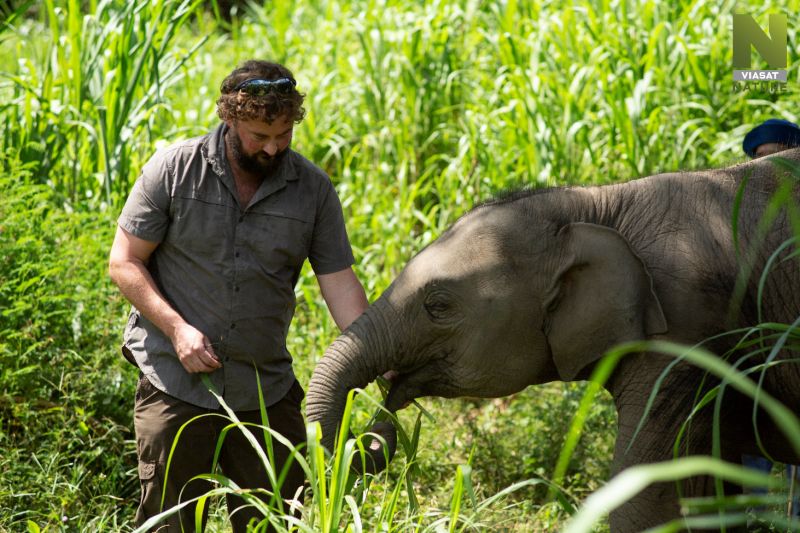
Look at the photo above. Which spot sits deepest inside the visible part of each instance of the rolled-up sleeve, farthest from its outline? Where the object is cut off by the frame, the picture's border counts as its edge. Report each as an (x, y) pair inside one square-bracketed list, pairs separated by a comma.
[(330, 249), (146, 211)]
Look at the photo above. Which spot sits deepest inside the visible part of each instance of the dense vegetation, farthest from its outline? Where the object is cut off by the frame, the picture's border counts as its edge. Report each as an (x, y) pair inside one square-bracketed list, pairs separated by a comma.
[(418, 111)]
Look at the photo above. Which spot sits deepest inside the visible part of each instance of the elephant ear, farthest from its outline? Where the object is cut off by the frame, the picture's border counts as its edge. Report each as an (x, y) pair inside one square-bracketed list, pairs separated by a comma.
[(601, 295)]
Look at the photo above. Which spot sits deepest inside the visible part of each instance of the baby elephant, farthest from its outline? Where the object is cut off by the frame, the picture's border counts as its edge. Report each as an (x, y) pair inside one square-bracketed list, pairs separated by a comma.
[(537, 286)]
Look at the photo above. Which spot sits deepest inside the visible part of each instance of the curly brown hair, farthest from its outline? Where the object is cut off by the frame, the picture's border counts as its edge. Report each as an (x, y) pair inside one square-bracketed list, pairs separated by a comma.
[(237, 105)]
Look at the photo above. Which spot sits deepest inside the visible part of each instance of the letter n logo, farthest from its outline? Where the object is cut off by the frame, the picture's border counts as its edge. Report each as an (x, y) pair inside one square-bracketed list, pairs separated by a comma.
[(747, 33)]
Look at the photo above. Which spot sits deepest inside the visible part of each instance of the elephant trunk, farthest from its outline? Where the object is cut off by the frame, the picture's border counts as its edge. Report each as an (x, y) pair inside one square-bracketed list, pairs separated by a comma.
[(363, 352)]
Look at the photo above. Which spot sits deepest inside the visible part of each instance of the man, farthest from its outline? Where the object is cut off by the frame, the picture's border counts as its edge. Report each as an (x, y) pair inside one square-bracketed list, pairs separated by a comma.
[(771, 136), (209, 247)]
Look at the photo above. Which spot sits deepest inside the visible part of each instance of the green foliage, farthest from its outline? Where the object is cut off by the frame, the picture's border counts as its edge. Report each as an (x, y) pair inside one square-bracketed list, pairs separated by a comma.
[(702, 512), (631, 481), (443, 103), (63, 411), (84, 97), (337, 498)]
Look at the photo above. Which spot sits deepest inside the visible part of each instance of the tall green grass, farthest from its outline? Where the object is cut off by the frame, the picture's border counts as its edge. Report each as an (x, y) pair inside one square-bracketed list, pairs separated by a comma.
[(337, 498), (444, 102), (88, 89), (716, 512), (418, 111), (64, 415)]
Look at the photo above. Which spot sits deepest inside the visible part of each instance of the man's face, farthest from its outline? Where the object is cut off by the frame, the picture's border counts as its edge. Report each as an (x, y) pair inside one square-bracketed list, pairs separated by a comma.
[(257, 147), (770, 148)]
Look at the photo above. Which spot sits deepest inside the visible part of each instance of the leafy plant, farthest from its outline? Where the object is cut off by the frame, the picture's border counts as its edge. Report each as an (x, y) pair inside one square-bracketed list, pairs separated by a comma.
[(63, 418), (81, 110)]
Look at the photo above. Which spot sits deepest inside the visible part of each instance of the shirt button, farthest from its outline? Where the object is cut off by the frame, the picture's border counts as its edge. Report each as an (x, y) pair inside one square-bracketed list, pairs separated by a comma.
[(241, 218), (233, 326), (236, 254), (236, 288)]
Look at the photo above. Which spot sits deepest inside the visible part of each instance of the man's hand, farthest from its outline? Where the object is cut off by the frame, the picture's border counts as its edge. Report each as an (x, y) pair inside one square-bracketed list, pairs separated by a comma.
[(194, 350), (127, 266)]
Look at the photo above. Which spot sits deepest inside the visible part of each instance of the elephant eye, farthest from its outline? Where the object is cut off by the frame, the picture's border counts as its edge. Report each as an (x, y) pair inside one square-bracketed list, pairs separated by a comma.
[(439, 306)]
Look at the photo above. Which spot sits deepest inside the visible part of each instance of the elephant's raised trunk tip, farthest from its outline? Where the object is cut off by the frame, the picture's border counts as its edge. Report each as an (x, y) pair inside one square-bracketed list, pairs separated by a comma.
[(376, 456)]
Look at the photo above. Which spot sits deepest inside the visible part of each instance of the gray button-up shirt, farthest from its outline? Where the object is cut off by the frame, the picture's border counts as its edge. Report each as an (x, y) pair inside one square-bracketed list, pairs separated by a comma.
[(229, 272)]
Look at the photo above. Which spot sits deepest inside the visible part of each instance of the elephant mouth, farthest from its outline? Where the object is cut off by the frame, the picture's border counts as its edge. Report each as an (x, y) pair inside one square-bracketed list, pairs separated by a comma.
[(430, 379), (400, 394)]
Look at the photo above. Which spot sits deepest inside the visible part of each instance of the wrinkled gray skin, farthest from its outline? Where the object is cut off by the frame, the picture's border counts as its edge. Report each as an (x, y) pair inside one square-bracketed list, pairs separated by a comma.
[(536, 288)]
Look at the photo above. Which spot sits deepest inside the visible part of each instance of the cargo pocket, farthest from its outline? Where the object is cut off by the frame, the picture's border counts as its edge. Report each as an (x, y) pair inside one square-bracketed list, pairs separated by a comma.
[(147, 470), (150, 502), (145, 391)]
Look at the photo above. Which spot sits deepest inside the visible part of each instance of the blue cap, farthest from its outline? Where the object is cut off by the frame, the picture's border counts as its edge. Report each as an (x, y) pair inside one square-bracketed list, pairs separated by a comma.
[(774, 130)]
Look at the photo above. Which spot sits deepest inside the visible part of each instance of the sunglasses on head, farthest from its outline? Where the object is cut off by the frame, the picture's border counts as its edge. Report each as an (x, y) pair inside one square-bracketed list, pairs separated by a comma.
[(263, 87)]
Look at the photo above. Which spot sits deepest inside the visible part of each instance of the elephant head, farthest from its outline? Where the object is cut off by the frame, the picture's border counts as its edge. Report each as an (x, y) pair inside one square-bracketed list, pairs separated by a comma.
[(508, 297)]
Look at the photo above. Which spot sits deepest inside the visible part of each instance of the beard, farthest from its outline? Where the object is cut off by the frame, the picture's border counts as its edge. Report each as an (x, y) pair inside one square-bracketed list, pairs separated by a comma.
[(260, 163)]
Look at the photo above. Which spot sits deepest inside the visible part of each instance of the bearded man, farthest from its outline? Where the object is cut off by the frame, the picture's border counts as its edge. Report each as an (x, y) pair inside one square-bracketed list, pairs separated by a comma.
[(208, 250)]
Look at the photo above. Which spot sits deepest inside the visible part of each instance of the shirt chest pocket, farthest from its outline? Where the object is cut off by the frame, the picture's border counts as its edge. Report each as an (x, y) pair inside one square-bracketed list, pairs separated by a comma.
[(200, 224), (278, 238)]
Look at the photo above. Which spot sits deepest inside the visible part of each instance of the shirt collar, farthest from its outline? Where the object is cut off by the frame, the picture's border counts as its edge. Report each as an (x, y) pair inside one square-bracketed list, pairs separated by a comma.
[(214, 149)]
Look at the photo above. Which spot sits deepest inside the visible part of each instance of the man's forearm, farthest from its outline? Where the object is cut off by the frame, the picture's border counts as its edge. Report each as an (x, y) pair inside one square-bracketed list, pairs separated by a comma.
[(138, 286), (344, 295), (354, 304)]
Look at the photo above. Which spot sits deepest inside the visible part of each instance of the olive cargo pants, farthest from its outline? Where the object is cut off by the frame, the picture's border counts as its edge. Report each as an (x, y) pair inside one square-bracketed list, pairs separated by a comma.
[(157, 419)]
